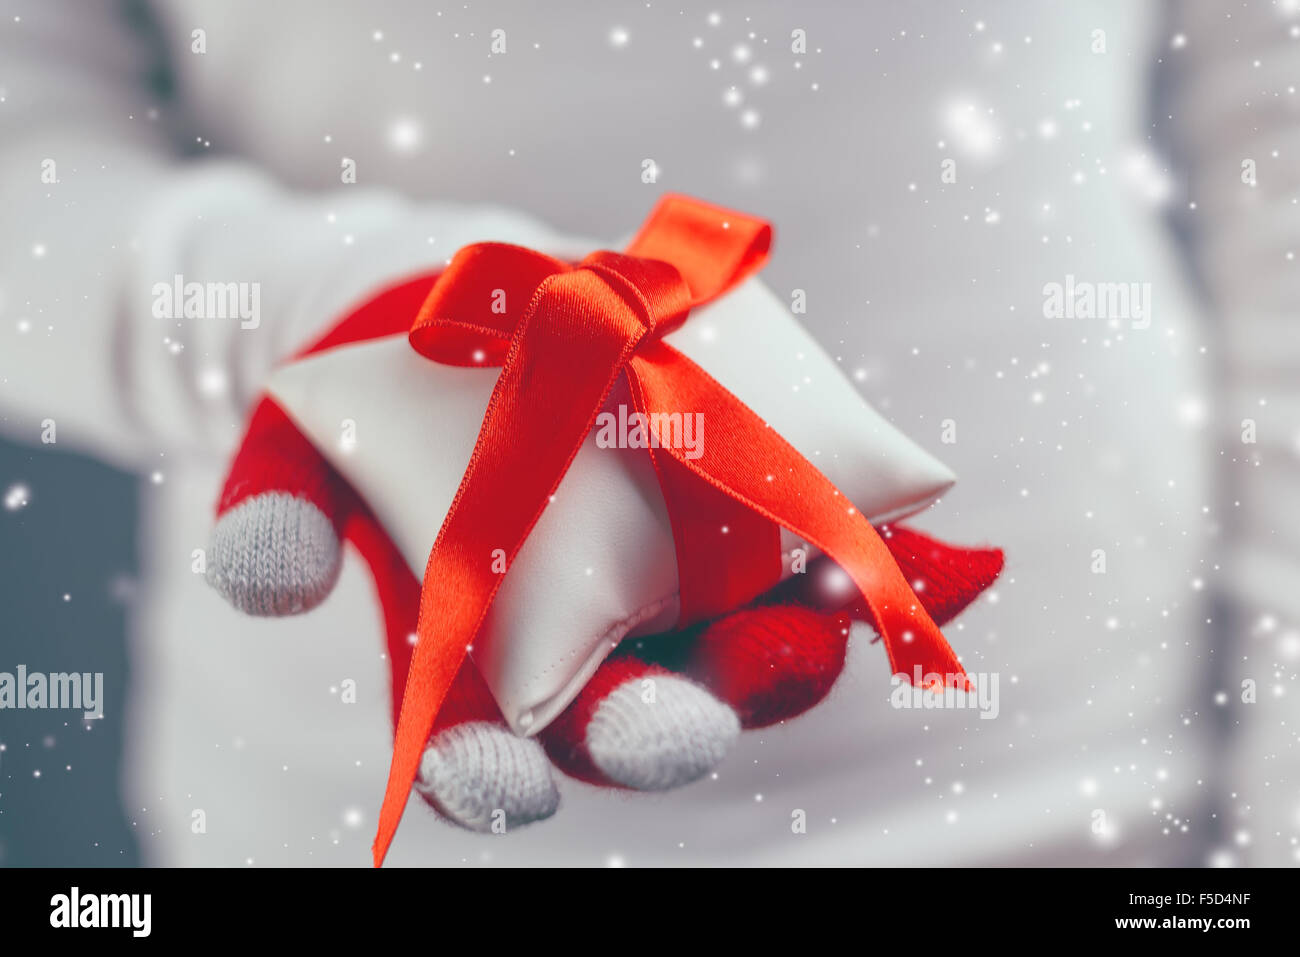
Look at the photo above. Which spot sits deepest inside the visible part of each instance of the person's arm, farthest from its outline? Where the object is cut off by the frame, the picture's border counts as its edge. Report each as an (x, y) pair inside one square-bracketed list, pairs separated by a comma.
[(85, 260), (1229, 118), (1228, 114)]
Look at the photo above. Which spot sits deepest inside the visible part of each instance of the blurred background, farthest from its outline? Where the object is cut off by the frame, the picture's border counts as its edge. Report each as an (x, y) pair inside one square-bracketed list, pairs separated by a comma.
[(933, 171)]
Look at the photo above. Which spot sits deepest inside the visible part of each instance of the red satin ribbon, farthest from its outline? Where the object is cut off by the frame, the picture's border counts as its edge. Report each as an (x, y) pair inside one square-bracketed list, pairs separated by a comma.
[(563, 335)]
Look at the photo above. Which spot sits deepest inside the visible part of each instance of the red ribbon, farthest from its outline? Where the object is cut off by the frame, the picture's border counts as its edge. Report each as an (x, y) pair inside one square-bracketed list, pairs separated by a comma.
[(563, 335)]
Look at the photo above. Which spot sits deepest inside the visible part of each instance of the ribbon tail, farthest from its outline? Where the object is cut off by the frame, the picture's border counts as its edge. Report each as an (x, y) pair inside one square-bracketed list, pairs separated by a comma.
[(750, 462), (437, 658), (555, 378)]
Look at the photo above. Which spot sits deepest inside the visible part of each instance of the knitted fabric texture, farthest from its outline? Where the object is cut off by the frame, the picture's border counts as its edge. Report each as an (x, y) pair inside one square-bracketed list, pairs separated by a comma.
[(485, 778), (274, 554)]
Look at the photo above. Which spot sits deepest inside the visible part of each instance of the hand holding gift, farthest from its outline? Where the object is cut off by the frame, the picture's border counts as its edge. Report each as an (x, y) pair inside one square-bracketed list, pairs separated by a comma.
[(551, 547)]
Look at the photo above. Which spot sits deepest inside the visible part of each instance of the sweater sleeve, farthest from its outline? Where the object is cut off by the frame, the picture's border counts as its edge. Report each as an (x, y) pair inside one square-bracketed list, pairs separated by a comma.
[(107, 212), (1229, 112), (1230, 117)]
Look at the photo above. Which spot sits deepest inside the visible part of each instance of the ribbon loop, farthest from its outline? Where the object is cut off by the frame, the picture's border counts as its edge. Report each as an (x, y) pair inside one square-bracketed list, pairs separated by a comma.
[(476, 304), (713, 248)]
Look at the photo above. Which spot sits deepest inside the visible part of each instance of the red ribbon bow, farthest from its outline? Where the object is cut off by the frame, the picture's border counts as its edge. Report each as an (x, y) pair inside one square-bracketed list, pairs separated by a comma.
[(563, 335)]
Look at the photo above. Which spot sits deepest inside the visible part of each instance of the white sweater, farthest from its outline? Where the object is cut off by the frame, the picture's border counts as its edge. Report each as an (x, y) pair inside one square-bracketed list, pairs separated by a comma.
[(1073, 434)]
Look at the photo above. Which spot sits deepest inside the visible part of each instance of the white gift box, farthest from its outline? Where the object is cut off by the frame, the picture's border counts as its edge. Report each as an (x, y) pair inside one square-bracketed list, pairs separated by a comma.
[(600, 564)]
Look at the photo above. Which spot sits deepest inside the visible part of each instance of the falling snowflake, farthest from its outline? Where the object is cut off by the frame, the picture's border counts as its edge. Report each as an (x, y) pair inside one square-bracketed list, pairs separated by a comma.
[(17, 497)]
